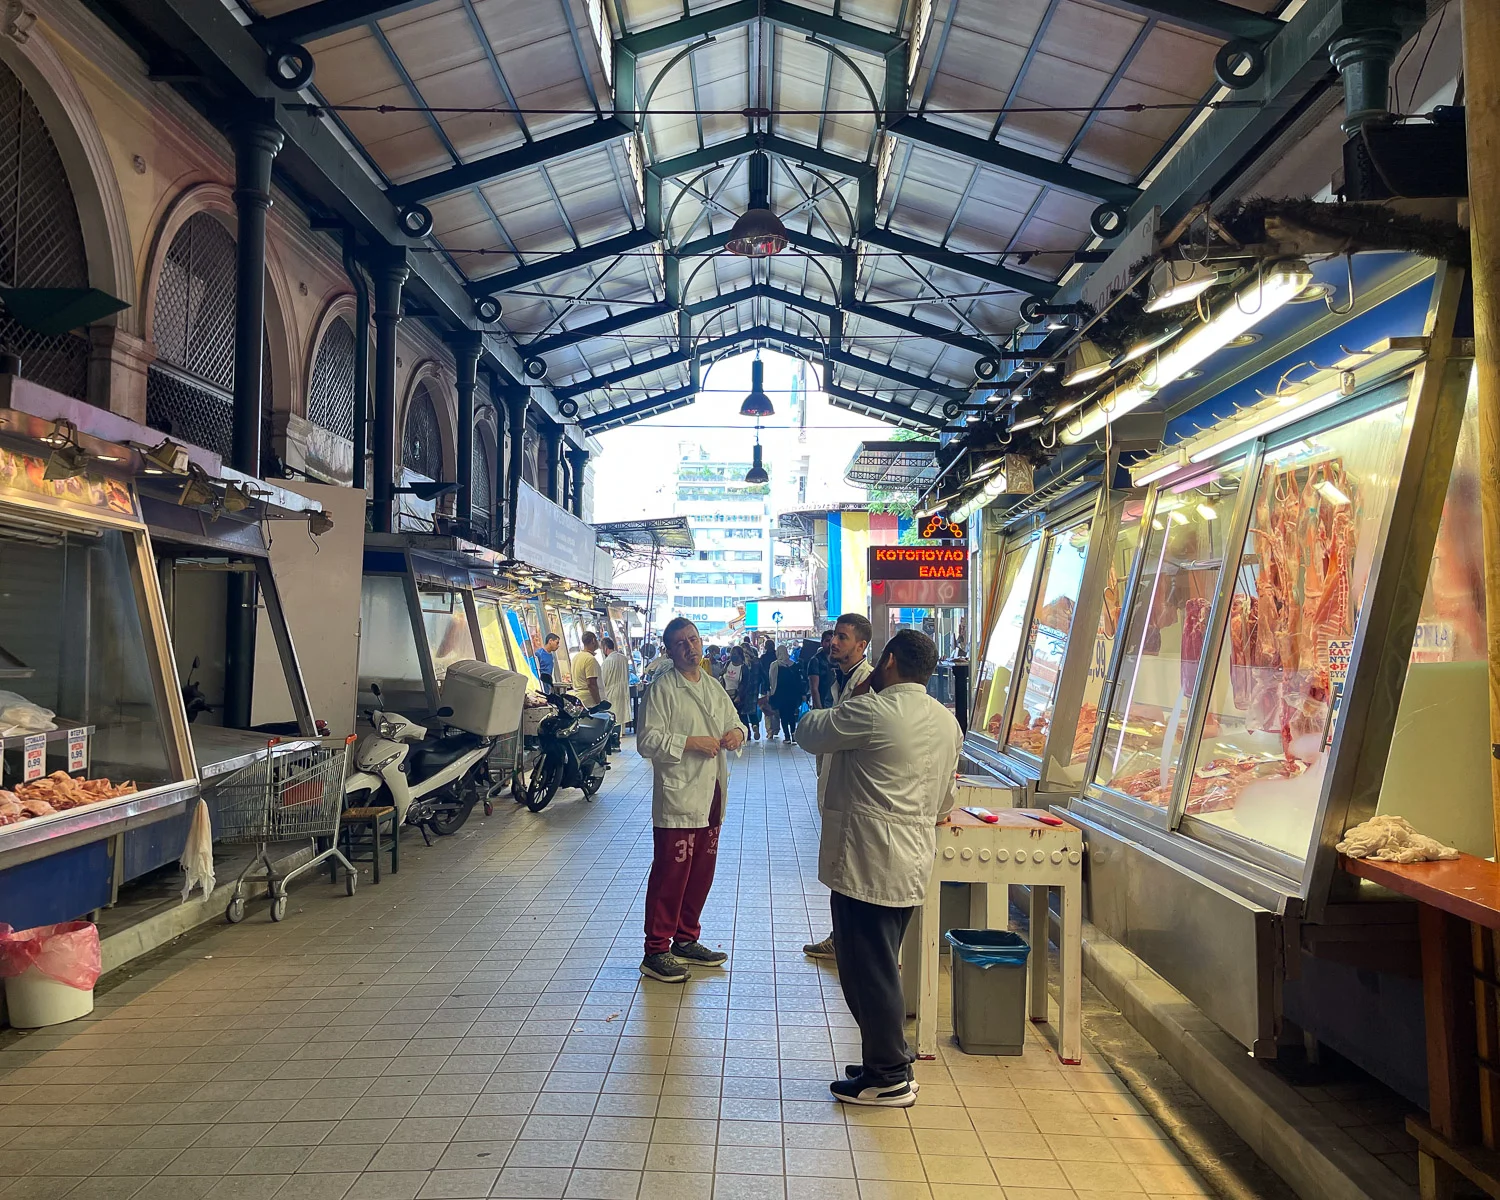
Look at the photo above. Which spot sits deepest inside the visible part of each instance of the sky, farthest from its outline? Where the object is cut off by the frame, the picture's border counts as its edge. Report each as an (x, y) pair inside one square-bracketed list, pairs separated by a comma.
[(635, 474)]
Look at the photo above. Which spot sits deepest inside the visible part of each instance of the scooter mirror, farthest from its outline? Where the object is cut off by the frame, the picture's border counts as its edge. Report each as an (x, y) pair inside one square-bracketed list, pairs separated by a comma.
[(375, 691), (445, 711)]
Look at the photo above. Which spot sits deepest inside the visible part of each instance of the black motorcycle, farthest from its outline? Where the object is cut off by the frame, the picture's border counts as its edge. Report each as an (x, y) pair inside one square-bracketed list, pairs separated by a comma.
[(570, 750)]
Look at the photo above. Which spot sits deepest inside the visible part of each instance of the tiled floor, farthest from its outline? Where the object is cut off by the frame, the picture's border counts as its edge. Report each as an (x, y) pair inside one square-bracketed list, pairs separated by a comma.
[(476, 1027)]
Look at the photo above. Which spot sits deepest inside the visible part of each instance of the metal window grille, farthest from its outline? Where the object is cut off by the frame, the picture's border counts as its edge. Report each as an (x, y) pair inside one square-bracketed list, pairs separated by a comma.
[(191, 410), (422, 447), (330, 397), (41, 239), (482, 503)]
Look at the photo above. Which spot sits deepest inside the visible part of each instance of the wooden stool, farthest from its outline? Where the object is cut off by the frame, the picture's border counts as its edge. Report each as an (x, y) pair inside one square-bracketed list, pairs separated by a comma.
[(353, 818)]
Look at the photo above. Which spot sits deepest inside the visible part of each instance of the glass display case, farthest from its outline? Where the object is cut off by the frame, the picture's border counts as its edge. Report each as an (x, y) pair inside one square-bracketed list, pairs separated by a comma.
[(450, 635), (1320, 504), (93, 736), (1155, 680), (1009, 601), (1039, 669)]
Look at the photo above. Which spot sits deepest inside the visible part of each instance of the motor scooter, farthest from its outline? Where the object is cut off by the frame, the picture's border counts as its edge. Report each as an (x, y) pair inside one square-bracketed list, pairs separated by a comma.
[(571, 750), (432, 779)]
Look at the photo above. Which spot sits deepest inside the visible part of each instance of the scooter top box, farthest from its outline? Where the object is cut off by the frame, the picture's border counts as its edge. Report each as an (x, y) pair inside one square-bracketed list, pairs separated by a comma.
[(485, 699)]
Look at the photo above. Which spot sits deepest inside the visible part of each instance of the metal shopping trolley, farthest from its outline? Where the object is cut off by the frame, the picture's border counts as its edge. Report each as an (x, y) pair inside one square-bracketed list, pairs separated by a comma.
[(295, 791), (503, 757)]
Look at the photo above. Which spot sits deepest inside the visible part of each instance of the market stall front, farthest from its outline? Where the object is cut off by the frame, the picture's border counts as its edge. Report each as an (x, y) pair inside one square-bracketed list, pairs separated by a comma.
[(94, 742), (1269, 631)]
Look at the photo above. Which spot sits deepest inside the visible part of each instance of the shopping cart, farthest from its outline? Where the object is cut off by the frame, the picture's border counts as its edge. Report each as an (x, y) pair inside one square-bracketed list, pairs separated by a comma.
[(294, 791), (502, 767)]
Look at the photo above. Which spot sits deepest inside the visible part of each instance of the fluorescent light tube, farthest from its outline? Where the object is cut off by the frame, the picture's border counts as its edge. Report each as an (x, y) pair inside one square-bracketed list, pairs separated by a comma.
[(1270, 424)]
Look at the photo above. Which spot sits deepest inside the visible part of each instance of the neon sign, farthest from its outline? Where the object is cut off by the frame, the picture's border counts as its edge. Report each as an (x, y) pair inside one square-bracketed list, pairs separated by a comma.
[(919, 562)]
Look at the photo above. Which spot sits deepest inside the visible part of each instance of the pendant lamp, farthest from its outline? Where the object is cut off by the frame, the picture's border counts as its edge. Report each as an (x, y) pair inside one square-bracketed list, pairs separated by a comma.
[(757, 404), (759, 233), (757, 472)]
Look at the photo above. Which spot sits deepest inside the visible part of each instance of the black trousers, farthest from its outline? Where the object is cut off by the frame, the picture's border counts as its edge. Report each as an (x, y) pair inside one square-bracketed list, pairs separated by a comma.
[(867, 946)]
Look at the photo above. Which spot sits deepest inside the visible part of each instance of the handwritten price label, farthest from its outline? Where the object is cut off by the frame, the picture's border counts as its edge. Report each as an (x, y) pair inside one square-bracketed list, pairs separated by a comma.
[(35, 760), (78, 750)]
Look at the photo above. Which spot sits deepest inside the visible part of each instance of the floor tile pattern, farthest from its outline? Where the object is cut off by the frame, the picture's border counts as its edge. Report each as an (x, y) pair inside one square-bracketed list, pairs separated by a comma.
[(476, 1027)]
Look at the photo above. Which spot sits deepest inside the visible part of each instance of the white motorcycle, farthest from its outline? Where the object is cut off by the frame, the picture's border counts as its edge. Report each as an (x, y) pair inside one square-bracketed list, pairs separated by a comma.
[(432, 780)]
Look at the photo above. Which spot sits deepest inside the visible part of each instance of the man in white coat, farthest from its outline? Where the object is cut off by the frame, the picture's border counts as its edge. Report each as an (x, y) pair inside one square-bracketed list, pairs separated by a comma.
[(614, 677), (688, 729), (852, 633), (892, 752)]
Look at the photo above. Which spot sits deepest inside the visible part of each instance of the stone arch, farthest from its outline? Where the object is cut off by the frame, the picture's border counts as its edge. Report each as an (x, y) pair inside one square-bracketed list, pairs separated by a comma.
[(445, 401), (86, 160), (339, 306)]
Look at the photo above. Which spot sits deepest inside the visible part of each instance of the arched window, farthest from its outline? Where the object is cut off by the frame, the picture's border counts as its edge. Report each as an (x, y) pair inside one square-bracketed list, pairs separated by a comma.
[(330, 394), (41, 240), (190, 386), (482, 499), (422, 446)]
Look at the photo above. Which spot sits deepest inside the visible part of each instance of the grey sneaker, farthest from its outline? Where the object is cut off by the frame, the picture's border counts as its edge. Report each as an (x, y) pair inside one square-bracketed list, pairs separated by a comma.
[(823, 949), (855, 1070), (664, 967), (697, 952)]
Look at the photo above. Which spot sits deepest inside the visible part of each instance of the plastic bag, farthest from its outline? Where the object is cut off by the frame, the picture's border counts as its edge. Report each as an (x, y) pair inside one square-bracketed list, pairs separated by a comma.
[(1392, 839), (19, 715), (197, 861), (986, 948), (68, 953)]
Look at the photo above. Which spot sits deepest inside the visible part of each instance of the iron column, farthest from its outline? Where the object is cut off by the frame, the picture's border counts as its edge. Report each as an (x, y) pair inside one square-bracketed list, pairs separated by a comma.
[(466, 344), (388, 274)]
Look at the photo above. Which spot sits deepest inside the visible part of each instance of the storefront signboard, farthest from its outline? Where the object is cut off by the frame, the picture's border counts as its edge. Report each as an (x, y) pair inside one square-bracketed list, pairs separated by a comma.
[(552, 538), (919, 562)]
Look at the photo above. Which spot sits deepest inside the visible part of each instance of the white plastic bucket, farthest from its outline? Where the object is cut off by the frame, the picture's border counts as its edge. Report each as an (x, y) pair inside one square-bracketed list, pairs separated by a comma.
[(34, 1000)]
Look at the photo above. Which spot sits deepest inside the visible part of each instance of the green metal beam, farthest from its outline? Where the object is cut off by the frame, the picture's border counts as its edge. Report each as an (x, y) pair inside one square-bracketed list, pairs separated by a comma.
[(837, 393), (968, 264), (625, 243), (937, 333), (1213, 17), (325, 18), (640, 410), (496, 166), (738, 147), (1296, 62), (848, 34), (897, 375), (629, 371), (1017, 162), (571, 337)]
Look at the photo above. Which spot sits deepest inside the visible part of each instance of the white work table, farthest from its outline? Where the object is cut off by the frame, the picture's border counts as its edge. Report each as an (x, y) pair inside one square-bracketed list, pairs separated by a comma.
[(1017, 849)]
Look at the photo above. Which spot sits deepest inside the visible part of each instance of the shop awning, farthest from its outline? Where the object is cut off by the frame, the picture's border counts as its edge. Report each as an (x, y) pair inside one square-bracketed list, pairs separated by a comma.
[(664, 535), (893, 466)]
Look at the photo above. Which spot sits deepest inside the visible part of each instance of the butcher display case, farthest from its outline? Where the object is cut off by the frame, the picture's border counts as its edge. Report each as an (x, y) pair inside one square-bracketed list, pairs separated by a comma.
[(93, 735), (1285, 637)]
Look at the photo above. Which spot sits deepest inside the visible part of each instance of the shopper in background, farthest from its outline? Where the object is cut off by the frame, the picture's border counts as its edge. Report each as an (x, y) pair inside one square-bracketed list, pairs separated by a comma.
[(767, 661), (820, 674), (788, 688), (688, 729), (614, 678), (546, 660), (892, 752), (742, 684), (586, 670)]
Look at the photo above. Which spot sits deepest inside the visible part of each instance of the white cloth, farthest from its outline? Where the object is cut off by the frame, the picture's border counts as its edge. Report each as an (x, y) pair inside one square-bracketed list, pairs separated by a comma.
[(614, 678), (682, 785), (892, 757)]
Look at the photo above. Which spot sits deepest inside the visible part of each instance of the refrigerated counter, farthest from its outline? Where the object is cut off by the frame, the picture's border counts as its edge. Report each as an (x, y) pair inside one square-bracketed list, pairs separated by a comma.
[(1284, 636), (93, 736)]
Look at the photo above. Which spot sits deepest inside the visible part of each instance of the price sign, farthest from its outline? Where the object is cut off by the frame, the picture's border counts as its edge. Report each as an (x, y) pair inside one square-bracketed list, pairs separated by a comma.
[(1433, 642), (78, 751), (1340, 650), (35, 757)]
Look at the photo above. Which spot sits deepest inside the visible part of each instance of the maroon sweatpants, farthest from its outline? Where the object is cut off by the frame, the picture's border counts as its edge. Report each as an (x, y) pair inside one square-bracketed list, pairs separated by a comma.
[(682, 871)]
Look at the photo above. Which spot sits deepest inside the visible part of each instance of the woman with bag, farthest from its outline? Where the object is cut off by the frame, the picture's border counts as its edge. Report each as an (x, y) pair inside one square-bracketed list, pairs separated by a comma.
[(788, 688)]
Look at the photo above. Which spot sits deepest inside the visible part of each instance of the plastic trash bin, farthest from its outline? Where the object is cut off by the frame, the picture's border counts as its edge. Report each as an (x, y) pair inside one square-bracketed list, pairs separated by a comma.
[(989, 990), (49, 972)]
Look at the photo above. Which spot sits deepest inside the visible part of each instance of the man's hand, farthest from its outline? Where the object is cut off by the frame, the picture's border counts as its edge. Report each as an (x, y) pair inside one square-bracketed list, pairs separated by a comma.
[(733, 740), (706, 746)]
